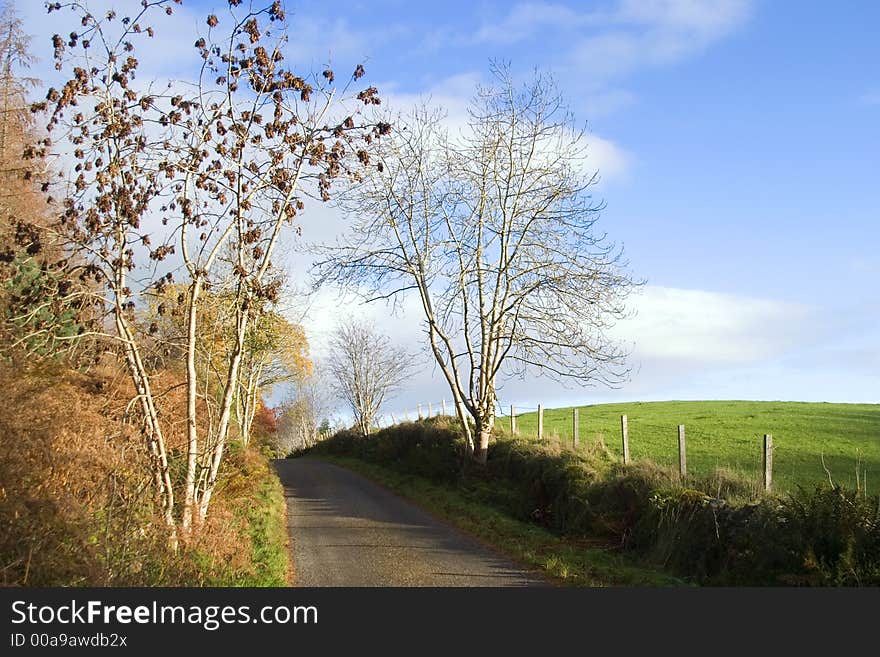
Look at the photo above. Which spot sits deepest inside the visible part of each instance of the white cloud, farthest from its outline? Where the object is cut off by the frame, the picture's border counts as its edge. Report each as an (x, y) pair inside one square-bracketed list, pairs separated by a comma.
[(610, 43), (703, 19), (710, 328), (608, 158), (452, 94), (329, 306), (695, 21), (608, 55), (643, 33), (527, 19)]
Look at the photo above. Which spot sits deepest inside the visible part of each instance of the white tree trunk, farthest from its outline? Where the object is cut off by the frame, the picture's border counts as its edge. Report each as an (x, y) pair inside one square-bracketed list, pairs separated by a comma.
[(191, 427), (230, 389)]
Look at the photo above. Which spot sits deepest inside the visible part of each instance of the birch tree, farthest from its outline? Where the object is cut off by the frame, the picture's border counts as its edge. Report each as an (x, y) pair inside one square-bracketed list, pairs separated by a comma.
[(98, 120), (224, 164), (16, 56), (276, 352), (264, 139), (305, 415), (494, 230)]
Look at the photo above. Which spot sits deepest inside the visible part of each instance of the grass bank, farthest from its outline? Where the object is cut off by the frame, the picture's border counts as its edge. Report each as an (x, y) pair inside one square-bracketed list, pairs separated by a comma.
[(259, 525), (76, 503)]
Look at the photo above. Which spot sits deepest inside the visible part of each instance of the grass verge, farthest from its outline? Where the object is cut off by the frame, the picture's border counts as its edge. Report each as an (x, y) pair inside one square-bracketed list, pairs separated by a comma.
[(267, 521), (248, 546), (257, 525)]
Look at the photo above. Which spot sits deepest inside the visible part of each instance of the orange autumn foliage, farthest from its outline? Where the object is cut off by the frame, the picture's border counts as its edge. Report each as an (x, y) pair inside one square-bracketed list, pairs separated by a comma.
[(76, 504)]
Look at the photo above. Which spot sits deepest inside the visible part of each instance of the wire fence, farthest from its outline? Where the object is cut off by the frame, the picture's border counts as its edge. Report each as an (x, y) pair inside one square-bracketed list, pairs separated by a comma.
[(441, 407), (695, 445)]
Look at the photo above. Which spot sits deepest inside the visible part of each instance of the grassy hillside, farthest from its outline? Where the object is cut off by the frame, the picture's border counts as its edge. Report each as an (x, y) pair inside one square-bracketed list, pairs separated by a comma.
[(728, 434)]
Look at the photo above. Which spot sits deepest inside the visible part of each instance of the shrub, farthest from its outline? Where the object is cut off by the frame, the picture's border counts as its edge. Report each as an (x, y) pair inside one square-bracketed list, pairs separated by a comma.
[(74, 507), (431, 448), (836, 535), (553, 483), (265, 420)]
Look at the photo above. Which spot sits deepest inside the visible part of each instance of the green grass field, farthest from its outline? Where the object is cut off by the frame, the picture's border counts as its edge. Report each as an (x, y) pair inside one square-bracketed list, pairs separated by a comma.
[(729, 434)]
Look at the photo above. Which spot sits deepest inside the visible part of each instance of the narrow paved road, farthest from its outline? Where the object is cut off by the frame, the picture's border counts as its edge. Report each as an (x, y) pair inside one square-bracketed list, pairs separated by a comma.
[(347, 531)]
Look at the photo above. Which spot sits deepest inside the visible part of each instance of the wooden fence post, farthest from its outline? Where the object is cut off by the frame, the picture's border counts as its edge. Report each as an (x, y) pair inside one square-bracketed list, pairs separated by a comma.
[(540, 422), (624, 434), (420, 411), (512, 420), (575, 429), (768, 462), (682, 452), (444, 407)]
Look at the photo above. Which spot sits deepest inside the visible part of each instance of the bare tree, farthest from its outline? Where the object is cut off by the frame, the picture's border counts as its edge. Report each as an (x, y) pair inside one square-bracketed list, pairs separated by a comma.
[(495, 233), (305, 413), (366, 370)]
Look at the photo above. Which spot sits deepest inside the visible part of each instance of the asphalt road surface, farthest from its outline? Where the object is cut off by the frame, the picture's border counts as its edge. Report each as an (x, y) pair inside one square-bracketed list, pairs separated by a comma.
[(347, 531)]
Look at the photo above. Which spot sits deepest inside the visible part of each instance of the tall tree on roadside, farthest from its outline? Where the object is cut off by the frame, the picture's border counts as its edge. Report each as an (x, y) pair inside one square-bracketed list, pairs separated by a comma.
[(275, 350), (494, 231), (223, 165), (101, 119), (305, 414)]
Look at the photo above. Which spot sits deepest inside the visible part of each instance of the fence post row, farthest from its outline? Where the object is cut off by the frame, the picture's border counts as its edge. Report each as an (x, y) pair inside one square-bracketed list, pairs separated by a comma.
[(624, 435), (682, 452), (768, 462)]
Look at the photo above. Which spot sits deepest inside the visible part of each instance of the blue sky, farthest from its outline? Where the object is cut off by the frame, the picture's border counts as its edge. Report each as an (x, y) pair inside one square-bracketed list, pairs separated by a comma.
[(739, 144)]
